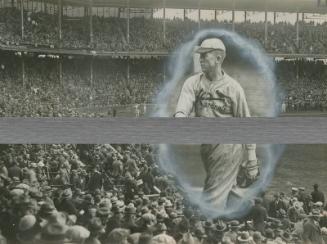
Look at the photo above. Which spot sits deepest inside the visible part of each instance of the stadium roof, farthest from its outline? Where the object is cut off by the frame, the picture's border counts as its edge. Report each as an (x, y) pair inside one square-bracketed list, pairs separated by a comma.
[(307, 6)]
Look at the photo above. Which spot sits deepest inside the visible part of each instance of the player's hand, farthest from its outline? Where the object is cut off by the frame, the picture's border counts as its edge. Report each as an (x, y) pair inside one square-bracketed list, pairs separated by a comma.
[(252, 169)]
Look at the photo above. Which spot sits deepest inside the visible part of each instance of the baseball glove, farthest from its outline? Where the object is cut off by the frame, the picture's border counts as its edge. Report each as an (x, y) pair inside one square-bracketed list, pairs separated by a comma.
[(248, 173)]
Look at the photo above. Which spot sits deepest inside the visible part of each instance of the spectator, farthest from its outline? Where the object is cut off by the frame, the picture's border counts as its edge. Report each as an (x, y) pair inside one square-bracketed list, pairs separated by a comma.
[(317, 195)]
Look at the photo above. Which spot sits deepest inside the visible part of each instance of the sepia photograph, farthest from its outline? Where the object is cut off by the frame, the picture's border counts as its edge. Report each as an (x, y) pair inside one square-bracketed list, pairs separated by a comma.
[(124, 58)]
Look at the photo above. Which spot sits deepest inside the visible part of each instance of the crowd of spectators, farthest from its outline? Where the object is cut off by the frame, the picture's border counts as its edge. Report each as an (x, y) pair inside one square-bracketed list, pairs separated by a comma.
[(43, 95), (118, 194), (304, 85), (146, 34)]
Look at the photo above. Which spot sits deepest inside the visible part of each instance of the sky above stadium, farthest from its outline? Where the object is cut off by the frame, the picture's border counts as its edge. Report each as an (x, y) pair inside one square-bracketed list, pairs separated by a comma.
[(239, 16)]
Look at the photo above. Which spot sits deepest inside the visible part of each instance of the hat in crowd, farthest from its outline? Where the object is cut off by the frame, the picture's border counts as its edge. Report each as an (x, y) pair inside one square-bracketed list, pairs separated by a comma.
[(211, 44), (40, 164), (295, 189), (67, 194), (257, 237), (163, 239), (54, 230), (116, 209), (97, 192), (234, 224), (298, 204), (278, 232), (104, 210), (168, 204), (106, 202), (270, 233), (88, 198), (161, 217), (244, 237), (318, 204), (134, 238), (161, 200), (302, 188), (282, 212), (36, 194), (28, 228), (144, 210), (118, 235), (209, 225), (279, 240), (221, 226), (95, 226), (286, 236), (315, 213), (200, 232), (161, 227), (47, 210), (324, 230), (16, 192), (77, 233), (23, 186), (147, 217), (33, 165), (173, 215)]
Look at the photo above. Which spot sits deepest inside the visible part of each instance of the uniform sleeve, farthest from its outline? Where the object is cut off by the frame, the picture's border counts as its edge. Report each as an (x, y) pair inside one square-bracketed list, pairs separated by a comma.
[(186, 99), (241, 109)]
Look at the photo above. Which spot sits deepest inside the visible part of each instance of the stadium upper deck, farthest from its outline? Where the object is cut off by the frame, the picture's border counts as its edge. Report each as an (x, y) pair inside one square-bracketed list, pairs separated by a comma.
[(307, 6), (298, 7)]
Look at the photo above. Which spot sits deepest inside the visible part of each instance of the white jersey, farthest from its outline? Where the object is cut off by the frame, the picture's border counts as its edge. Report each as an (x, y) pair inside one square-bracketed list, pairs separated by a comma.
[(223, 98)]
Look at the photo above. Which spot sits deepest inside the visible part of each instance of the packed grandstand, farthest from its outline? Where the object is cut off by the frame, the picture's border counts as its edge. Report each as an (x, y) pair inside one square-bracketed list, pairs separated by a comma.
[(68, 82)]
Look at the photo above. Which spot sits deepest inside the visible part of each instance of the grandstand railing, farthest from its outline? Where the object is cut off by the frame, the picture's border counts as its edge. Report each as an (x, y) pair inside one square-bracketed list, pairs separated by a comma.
[(124, 54)]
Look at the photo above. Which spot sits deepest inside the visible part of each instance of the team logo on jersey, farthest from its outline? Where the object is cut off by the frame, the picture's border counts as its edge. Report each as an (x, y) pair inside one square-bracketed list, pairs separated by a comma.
[(214, 100)]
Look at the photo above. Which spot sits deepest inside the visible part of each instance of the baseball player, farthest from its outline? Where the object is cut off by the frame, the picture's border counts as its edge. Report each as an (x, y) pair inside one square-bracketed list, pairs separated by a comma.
[(213, 93)]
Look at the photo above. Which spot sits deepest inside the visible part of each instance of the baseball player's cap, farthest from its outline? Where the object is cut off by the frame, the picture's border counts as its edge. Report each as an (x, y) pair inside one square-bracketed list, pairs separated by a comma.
[(211, 44)]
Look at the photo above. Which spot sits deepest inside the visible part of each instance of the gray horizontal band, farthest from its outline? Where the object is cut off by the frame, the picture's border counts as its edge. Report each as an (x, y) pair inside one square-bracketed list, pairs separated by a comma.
[(164, 130)]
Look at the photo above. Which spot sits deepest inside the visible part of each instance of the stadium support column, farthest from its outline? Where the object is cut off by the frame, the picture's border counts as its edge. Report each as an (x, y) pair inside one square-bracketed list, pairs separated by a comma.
[(23, 69), (45, 6), (215, 14), (266, 27), (275, 18), (91, 73), (164, 23), (91, 23), (297, 30), (60, 71), (128, 69), (184, 14), (164, 70), (128, 24), (60, 22), (22, 18), (245, 15)]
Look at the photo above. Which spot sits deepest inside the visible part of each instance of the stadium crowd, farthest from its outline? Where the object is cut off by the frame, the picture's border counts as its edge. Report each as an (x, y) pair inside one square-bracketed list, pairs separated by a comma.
[(43, 95), (117, 194), (146, 34), (304, 85)]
